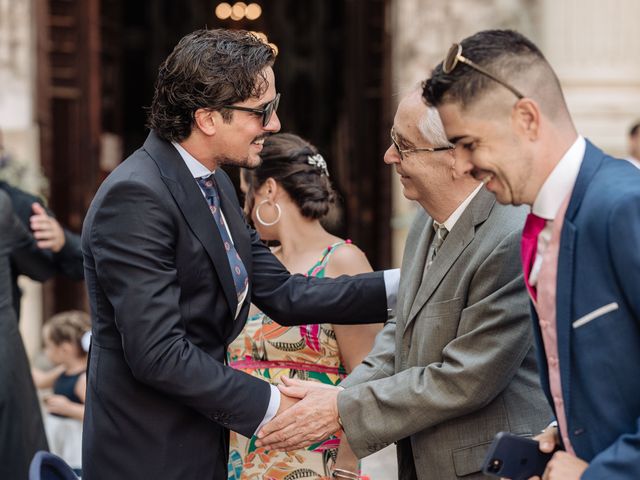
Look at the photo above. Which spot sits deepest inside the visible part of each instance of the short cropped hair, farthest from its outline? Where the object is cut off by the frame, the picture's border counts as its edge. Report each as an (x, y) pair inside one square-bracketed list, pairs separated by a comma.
[(505, 53), (207, 69)]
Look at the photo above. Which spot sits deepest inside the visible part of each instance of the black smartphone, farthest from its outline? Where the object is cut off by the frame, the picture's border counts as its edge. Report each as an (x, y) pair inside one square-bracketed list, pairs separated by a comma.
[(514, 457)]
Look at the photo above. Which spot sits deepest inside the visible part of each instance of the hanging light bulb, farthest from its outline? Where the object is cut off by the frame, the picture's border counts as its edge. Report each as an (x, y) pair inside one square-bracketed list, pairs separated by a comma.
[(223, 11), (238, 11), (253, 11)]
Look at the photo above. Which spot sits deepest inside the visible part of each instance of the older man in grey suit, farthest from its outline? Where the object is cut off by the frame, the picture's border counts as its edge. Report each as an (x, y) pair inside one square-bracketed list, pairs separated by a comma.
[(457, 366)]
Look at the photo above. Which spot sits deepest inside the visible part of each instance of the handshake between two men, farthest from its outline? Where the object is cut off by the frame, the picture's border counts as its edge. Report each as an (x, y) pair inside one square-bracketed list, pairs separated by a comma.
[(308, 414)]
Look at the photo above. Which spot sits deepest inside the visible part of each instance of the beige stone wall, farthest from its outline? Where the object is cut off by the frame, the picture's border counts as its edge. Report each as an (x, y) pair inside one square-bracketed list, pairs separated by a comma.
[(593, 45)]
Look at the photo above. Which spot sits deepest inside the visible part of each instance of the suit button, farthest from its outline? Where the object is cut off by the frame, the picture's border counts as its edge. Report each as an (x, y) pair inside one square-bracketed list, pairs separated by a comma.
[(578, 431)]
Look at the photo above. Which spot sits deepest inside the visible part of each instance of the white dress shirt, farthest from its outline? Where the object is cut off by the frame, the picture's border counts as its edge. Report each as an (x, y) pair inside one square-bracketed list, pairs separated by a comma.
[(554, 190), (457, 213)]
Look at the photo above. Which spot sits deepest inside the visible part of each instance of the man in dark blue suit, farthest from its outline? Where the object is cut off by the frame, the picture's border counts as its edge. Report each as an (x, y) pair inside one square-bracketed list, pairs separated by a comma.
[(502, 105)]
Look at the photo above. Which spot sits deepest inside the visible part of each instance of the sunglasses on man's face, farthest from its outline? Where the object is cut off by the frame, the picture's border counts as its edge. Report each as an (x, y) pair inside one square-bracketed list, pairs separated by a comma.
[(266, 112), (454, 56)]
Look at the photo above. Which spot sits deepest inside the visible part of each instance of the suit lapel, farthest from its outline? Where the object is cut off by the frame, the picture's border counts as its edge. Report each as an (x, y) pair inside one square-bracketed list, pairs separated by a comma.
[(455, 243), (592, 161), (564, 307), (593, 158), (193, 206), (414, 264)]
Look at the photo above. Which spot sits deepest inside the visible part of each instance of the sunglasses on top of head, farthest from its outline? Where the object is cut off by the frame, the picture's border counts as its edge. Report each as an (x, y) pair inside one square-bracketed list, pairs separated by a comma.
[(454, 58)]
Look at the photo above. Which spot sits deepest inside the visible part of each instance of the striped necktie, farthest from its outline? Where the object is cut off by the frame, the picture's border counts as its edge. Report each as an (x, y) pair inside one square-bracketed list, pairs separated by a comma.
[(438, 237)]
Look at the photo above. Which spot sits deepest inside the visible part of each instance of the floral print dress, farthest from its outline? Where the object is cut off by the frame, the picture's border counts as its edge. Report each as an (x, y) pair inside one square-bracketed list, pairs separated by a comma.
[(269, 351)]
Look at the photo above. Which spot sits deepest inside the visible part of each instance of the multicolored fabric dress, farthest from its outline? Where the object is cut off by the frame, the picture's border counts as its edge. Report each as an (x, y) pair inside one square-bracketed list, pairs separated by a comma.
[(269, 351)]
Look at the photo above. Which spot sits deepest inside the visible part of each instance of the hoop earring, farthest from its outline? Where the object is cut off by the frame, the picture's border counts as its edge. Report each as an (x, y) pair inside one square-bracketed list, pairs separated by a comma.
[(262, 222)]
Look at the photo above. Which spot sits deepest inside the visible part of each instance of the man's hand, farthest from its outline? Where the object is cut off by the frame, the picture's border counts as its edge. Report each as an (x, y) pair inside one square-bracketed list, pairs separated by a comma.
[(286, 402), (548, 440), (564, 466), (46, 230), (312, 419)]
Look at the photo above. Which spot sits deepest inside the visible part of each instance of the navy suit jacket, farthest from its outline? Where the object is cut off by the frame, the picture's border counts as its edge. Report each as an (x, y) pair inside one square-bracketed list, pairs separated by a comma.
[(160, 399), (598, 317)]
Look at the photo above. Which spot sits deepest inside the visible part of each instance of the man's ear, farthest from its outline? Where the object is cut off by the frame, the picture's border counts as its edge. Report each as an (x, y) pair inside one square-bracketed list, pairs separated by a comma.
[(206, 119), (526, 118)]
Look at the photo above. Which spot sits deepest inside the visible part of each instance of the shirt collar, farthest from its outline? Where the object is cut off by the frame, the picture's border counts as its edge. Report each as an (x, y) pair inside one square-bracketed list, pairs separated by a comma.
[(195, 167), (457, 213), (560, 181)]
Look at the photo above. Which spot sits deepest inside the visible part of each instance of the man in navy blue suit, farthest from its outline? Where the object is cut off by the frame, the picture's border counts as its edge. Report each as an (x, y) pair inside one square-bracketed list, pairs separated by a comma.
[(502, 106)]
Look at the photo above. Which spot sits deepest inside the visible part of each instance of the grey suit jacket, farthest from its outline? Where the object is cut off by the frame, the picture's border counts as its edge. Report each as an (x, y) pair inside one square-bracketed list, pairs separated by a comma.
[(457, 365)]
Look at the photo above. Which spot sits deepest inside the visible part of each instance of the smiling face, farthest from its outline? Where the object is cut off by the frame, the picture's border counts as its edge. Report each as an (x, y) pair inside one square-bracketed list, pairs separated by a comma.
[(239, 142), (419, 171), (491, 150)]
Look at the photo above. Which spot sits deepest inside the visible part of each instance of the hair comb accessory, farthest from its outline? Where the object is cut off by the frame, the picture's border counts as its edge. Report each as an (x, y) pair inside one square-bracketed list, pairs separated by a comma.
[(318, 161)]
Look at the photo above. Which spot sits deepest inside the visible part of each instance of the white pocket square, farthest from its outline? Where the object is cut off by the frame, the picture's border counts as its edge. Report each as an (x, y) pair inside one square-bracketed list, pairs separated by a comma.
[(598, 312)]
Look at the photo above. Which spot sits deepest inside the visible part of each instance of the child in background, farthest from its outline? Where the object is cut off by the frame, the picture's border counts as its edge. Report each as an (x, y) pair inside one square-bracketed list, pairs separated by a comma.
[(64, 346)]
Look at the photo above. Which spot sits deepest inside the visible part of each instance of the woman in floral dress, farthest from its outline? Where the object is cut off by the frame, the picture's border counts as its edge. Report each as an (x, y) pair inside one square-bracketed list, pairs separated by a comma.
[(286, 197)]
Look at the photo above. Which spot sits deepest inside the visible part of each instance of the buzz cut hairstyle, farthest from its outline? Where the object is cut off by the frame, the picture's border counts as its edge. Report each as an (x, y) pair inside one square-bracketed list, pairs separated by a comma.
[(504, 53)]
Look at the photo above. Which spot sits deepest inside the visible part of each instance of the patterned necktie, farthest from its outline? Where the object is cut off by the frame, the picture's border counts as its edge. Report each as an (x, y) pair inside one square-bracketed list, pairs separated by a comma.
[(239, 273), (529, 246), (438, 237)]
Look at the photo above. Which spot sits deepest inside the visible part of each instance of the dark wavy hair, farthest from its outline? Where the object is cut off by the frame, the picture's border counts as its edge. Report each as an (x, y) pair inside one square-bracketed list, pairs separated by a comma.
[(207, 69), (285, 158)]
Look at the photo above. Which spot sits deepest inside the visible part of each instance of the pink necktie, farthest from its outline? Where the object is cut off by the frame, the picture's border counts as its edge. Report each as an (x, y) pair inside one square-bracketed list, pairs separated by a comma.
[(528, 247)]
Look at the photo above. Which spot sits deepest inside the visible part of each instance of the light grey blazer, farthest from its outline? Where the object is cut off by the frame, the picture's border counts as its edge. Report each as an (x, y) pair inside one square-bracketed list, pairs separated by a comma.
[(457, 365)]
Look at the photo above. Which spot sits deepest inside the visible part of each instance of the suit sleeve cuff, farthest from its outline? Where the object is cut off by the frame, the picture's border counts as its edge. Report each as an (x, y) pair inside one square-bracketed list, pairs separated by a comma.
[(391, 284), (272, 409)]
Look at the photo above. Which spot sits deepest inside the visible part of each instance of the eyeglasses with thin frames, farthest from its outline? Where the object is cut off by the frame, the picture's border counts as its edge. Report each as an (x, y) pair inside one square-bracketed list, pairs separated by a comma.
[(266, 112), (402, 152), (454, 56)]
